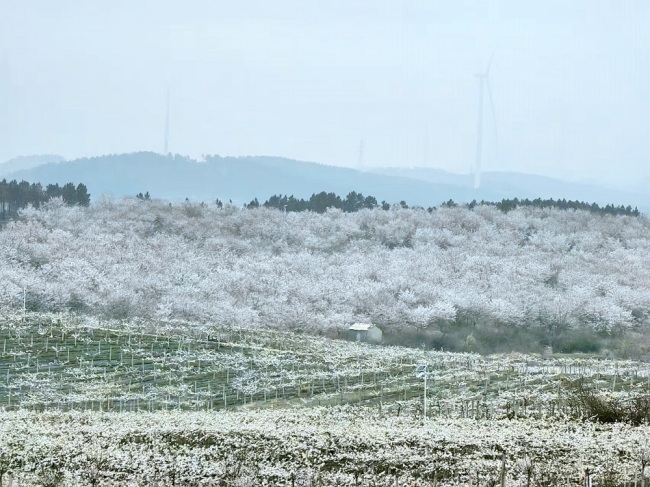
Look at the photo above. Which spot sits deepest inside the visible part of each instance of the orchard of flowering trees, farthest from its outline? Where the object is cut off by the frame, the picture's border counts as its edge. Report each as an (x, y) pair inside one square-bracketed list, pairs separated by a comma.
[(456, 278)]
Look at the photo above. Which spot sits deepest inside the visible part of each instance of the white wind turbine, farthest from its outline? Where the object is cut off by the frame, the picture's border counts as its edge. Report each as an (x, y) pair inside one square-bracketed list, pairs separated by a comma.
[(484, 83)]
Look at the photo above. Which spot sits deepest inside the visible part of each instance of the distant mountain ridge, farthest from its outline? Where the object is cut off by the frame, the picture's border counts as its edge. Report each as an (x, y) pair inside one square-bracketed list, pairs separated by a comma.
[(240, 179), (21, 163), (523, 185)]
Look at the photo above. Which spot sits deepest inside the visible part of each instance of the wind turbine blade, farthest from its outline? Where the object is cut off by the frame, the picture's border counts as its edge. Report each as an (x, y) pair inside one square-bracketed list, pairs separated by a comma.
[(494, 116)]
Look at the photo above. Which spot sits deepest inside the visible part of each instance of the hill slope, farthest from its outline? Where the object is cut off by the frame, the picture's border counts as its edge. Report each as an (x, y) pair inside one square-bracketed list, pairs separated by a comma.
[(541, 275)]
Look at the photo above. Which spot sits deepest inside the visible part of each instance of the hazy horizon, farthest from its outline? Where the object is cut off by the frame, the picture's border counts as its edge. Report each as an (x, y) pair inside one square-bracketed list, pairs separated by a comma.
[(202, 159), (311, 81)]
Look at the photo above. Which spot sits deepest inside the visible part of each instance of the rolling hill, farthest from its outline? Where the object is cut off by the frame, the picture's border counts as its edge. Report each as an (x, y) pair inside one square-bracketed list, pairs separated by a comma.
[(241, 179)]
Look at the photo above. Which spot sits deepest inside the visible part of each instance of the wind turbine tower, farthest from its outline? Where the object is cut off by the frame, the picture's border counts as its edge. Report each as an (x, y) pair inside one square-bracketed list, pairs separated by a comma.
[(166, 150), (484, 84)]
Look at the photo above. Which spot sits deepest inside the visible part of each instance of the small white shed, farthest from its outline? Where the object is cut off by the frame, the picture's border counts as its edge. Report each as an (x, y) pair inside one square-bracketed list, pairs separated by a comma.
[(365, 332)]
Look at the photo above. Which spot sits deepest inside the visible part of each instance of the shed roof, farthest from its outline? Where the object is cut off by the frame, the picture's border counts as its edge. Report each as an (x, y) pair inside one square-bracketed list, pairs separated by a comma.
[(361, 326)]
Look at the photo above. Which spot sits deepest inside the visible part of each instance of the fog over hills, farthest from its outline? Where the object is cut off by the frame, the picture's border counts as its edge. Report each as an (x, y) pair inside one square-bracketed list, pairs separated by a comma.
[(507, 184), (241, 179), (27, 162)]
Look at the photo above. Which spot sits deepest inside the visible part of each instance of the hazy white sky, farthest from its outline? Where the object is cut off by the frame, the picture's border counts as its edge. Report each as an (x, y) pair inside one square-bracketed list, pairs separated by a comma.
[(309, 80)]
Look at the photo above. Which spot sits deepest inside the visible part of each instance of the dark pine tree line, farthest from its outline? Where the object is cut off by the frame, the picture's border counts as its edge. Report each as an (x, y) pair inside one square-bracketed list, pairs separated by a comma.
[(320, 202), (506, 205), (16, 195)]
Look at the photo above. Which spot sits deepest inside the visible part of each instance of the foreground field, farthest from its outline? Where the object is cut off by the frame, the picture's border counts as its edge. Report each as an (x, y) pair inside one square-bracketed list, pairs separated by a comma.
[(62, 362), (334, 446), (86, 402)]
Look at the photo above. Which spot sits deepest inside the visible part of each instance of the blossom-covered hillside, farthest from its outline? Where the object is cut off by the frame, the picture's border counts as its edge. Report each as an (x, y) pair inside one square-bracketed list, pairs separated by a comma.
[(408, 270)]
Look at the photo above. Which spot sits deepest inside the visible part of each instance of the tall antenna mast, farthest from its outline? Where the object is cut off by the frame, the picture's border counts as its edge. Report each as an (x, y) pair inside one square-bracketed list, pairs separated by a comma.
[(360, 162), (166, 150)]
